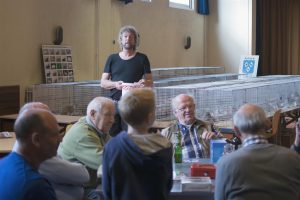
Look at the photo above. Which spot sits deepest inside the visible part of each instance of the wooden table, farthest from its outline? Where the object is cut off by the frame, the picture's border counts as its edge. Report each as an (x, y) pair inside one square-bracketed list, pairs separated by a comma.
[(178, 194), (159, 125), (7, 121), (6, 145)]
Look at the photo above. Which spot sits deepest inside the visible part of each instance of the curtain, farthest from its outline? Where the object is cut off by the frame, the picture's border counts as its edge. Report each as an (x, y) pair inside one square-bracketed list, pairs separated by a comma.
[(203, 7), (278, 41), (126, 1)]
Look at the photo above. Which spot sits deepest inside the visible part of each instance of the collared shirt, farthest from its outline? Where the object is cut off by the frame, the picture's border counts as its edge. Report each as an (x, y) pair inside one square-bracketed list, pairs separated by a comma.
[(102, 135), (191, 145), (255, 139)]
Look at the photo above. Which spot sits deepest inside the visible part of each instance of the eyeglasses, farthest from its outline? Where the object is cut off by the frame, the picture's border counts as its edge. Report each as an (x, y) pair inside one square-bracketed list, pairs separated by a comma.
[(186, 108)]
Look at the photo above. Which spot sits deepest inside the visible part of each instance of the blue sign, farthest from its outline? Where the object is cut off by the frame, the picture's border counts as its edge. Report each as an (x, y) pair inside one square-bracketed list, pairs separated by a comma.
[(248, 66)]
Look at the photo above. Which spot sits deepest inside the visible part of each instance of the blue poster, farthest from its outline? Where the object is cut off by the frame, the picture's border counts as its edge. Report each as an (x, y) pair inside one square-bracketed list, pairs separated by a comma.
[(248, 66)]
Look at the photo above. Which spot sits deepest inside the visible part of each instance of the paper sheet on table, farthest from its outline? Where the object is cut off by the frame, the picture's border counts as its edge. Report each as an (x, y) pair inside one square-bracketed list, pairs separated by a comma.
[(6, 134)]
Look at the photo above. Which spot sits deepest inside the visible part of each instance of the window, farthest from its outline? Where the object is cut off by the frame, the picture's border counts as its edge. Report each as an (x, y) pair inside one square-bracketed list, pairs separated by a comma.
[(183, 4)]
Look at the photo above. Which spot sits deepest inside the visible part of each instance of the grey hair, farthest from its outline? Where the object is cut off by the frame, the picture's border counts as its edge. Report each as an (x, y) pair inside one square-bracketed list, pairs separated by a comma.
[(97, 104), (129, 29), (175, 100), (250, 119)]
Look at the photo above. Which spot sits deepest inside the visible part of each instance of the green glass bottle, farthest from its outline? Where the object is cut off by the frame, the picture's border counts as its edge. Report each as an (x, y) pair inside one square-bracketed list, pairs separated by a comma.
[(178, 150)]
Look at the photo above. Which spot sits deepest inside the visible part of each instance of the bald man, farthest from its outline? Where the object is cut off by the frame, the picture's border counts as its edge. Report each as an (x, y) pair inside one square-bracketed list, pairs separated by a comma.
[(258, 170), (66, 177), (37, 133)]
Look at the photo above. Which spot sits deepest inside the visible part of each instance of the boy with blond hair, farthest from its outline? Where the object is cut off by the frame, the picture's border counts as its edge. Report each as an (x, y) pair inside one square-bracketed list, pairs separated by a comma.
[(137, 164)]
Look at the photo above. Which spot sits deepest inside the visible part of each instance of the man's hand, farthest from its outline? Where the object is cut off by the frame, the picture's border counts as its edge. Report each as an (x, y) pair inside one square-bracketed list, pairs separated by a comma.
[(118, 85), (128, 86), (207, 135), (139, 84)]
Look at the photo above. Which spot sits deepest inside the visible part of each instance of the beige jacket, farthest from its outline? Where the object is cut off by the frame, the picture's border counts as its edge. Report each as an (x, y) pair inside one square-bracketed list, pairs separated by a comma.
[(199, 126)]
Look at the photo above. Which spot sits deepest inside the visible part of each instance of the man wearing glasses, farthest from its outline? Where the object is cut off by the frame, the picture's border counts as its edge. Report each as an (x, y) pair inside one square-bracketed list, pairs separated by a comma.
[(195, 134)]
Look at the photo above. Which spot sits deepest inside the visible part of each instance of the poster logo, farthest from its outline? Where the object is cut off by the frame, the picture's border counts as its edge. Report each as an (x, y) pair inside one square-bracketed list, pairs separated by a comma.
[(248, 66)]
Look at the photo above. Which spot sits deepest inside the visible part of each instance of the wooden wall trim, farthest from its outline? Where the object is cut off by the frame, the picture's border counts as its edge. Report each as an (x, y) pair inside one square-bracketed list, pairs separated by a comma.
[(9, 99)]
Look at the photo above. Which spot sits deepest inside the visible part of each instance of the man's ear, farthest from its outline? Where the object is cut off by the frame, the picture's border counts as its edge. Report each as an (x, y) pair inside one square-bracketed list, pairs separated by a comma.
[(151, 118), (92, 113), (36, 139), (175, 112)]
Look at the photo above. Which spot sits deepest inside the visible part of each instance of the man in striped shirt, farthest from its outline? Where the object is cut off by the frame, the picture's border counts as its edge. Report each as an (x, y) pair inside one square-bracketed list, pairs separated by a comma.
[(195, 134)]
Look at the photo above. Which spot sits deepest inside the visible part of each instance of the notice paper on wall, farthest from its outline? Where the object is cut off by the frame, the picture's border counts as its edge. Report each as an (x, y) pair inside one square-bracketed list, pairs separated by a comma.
[(248, 66)]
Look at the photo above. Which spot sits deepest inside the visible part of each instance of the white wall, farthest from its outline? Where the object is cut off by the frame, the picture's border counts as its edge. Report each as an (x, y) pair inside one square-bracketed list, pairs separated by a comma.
[(26, 25), (229, 33), (90, 26), (163, 31)]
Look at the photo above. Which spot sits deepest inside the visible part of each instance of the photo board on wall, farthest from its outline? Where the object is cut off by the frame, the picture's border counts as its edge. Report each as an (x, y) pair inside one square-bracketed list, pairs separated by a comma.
[(57, 64)]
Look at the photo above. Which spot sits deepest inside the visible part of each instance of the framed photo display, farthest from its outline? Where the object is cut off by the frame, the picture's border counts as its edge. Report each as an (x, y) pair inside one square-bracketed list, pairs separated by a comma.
[(57, 64)]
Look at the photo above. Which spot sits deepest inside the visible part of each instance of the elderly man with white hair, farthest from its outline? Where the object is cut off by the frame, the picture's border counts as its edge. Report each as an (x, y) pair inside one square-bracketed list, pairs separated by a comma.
[(85, 140), (195, 134), (258, 170)]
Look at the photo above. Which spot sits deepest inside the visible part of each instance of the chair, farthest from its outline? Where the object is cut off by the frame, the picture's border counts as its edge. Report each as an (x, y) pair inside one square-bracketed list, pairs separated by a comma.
[(287, 136), (272, 135), (288, 130)]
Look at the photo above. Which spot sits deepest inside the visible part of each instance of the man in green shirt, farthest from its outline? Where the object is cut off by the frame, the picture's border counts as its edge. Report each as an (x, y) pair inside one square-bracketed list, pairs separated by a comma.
[(85, 140)]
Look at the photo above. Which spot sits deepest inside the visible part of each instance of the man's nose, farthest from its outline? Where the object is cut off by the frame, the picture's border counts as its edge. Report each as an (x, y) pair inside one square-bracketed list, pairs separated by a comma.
[(187, 109)]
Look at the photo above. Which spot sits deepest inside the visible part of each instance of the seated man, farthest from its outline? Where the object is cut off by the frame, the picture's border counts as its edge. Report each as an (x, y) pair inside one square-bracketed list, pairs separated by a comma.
[(66, 177), (195, 134), (37, 133), (85, 140), (296, 145), (137, 164), (258, 170)]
